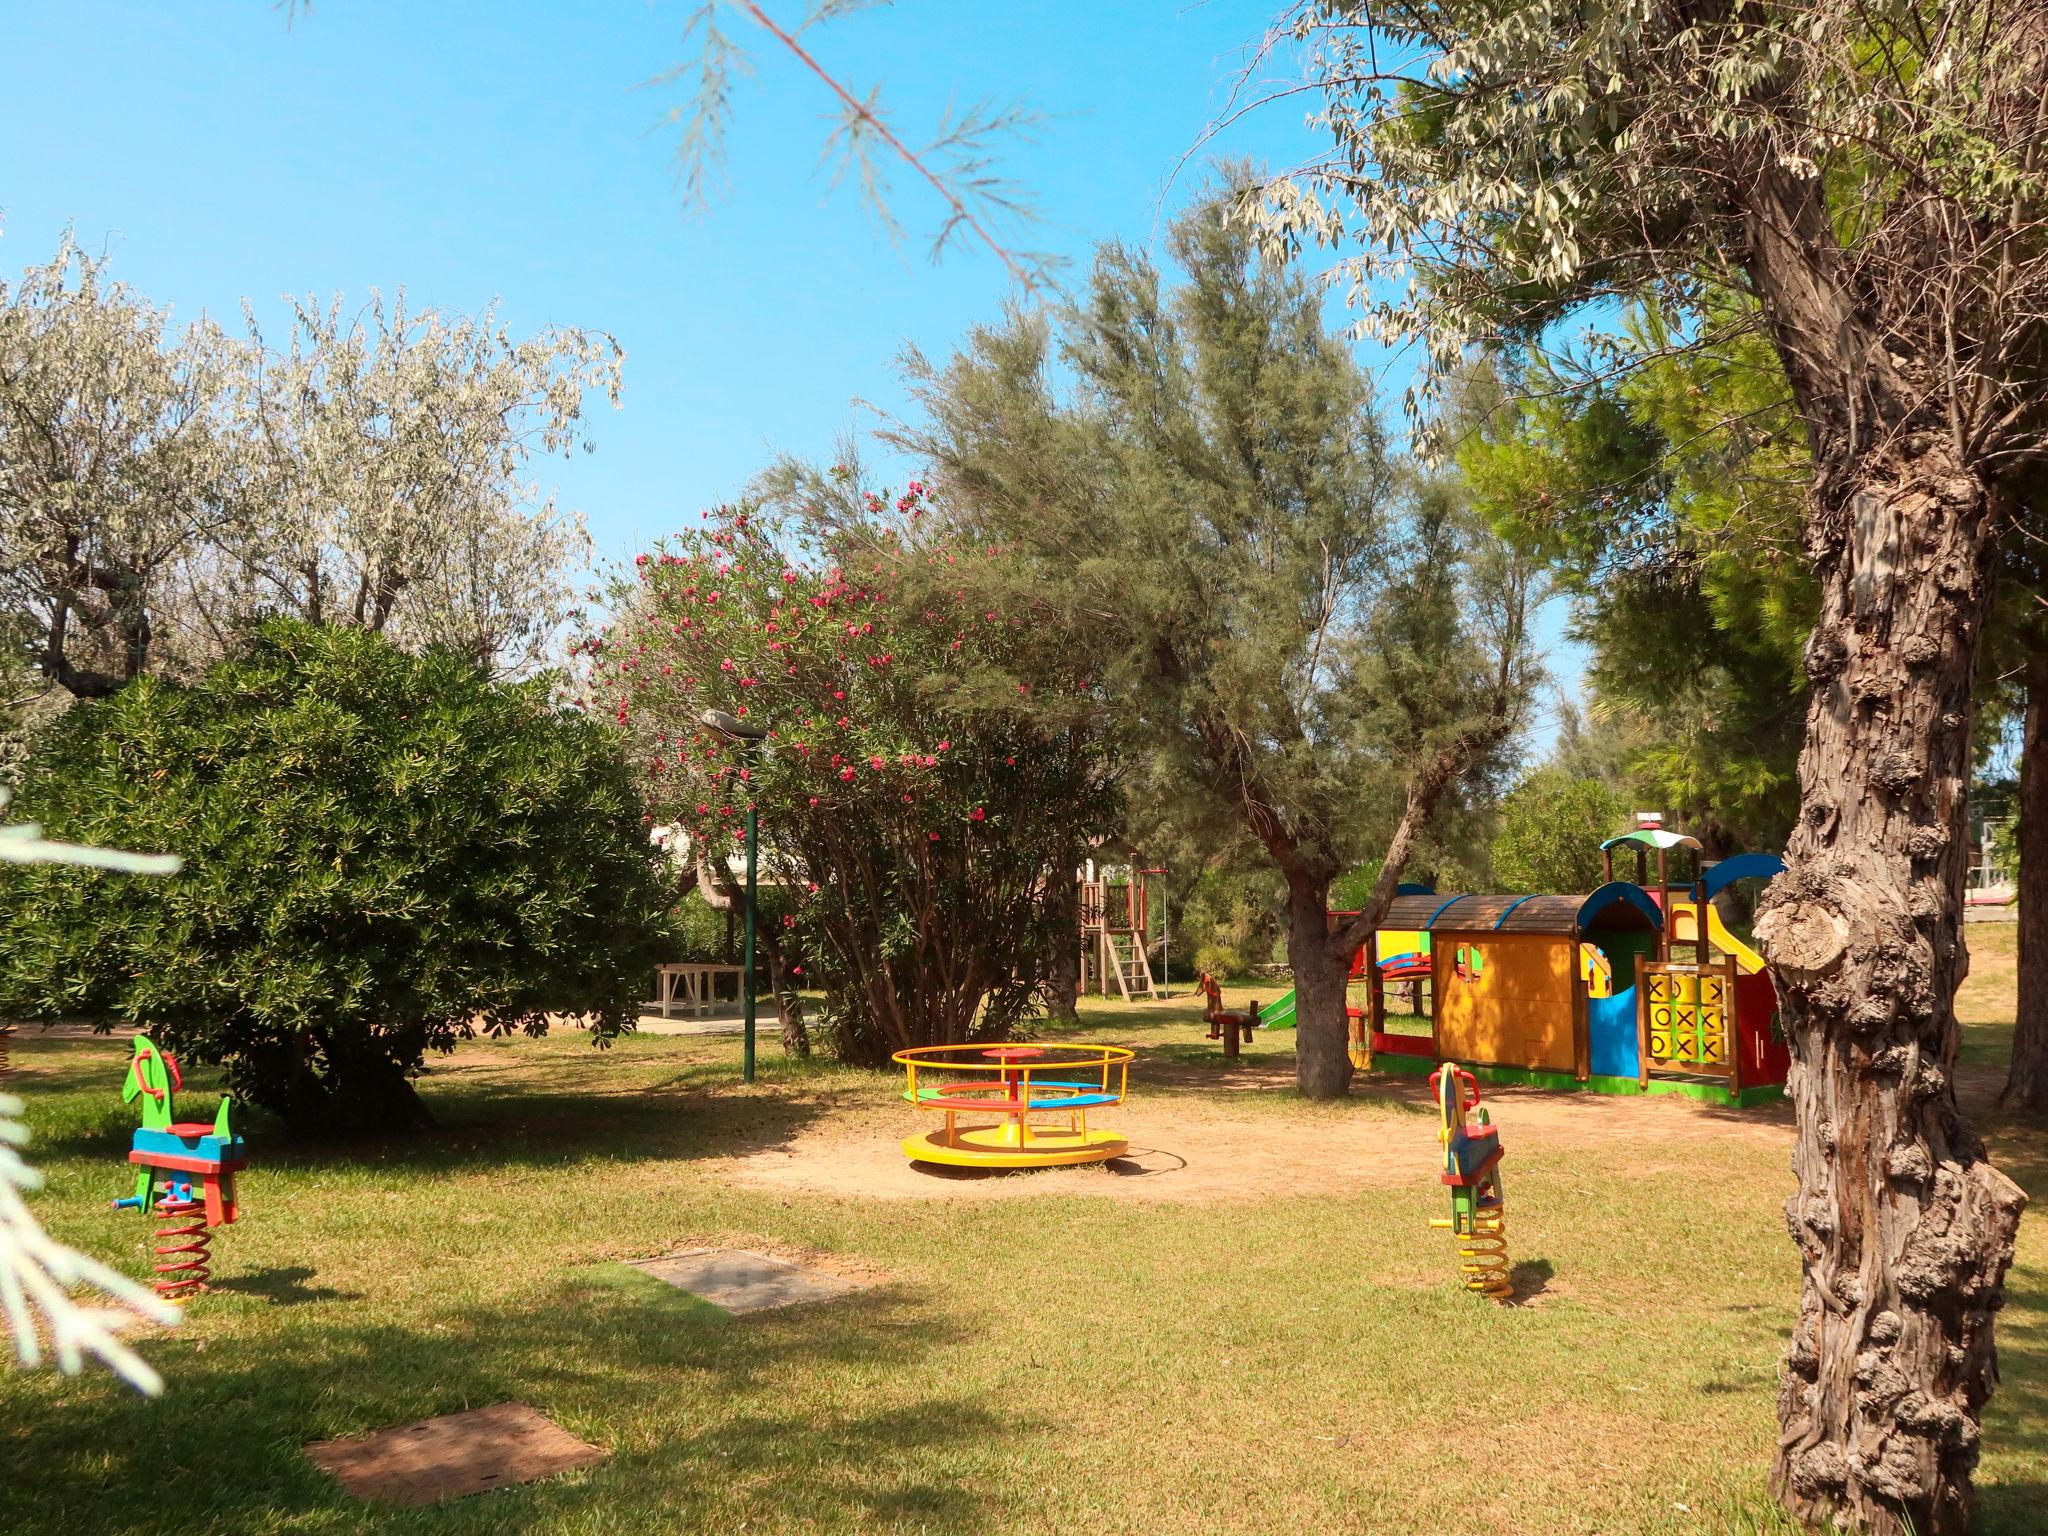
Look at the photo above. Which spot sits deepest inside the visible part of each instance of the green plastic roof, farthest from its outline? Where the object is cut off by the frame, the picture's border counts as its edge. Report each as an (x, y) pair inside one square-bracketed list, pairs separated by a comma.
[(1652, 837)]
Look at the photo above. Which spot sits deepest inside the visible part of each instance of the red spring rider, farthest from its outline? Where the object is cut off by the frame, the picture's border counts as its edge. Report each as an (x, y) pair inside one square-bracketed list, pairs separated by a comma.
[(185, 1174), (1472, 1154)]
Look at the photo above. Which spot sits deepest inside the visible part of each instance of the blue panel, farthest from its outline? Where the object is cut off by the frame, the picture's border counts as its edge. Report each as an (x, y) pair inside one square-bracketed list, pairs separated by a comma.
[(1611, 1028), (1620, 890), (1511, 907), (1414, 888), (1430, 922), (1743, 866)]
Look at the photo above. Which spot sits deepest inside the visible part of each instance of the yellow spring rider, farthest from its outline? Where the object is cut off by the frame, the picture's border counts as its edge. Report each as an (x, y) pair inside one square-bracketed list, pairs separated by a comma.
[(1037, 1095), (1472, 1155)]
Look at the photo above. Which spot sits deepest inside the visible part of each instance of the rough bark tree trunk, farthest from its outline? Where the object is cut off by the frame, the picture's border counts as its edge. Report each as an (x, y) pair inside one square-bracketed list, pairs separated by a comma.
[(1322, 1034), (1904, 1229), (2026, 1087)]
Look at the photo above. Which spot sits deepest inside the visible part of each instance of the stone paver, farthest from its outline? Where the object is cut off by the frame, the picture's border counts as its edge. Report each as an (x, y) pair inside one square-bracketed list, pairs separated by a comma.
[(740, 1281), (454, 1455)]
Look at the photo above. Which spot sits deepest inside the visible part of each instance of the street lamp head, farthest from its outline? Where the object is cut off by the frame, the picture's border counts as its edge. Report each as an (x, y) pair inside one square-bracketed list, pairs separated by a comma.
[(732, 727)]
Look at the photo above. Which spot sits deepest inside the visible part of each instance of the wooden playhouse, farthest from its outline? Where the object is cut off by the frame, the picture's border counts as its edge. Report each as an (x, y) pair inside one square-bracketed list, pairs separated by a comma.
[(1575, 992)]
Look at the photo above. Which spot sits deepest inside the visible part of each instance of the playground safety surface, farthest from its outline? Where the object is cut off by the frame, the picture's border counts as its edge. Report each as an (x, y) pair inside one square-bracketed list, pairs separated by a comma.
[(1196, 1147), (454, 1455)]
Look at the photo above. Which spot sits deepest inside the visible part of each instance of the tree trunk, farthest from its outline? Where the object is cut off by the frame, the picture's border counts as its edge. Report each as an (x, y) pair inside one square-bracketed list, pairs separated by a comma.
[(1904, 1229), (789, 1003), (2027, 1086), (1322, 1034), (1062, 967)]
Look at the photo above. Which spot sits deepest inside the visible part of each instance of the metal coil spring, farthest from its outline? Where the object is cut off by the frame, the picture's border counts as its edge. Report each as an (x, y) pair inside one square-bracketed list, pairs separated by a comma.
[(1483, 1255), (182, 1261)]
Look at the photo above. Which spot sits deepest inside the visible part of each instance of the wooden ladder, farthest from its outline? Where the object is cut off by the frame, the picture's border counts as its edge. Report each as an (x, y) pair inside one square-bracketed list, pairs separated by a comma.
[(1126, 956)]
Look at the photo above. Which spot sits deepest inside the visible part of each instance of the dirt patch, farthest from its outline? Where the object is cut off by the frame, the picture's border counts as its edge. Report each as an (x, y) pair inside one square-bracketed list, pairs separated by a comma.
[(1184, 1149)]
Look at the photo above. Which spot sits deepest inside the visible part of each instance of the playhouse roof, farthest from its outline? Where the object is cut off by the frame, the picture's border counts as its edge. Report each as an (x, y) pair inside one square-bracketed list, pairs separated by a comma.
[(1652, 837), (1514, 914)]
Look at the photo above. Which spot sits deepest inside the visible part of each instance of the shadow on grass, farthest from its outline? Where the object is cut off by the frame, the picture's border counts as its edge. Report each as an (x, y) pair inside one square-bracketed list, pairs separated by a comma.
[(2016, 1420), (286, 1287), (685, 1397), (1530, 1279), (493, 1117)]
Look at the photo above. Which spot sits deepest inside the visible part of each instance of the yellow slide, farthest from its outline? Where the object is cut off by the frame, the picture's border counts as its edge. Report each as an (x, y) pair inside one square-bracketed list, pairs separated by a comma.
[(1685, 930)]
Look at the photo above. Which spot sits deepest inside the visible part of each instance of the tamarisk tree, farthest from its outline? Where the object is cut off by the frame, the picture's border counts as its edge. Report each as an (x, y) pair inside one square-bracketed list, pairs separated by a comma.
[(1305, 637), (1873, 176), (923, 805)]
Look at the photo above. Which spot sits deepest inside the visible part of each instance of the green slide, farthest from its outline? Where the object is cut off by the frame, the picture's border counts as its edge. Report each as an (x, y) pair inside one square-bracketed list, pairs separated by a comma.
[(1278, 1014)]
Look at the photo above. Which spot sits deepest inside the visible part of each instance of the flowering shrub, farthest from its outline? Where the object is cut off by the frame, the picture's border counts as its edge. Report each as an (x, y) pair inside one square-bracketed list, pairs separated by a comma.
[(917, 802)]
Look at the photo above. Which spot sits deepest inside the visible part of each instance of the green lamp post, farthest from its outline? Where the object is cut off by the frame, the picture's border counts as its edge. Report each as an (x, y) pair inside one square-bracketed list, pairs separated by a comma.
[(747, 737)]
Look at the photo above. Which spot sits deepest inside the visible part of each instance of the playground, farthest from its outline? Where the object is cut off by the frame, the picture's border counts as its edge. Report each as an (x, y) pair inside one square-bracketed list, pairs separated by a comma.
[(1246, 1324)]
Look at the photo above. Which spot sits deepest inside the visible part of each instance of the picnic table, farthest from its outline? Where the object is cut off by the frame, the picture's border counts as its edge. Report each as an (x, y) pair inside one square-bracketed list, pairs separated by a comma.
[(692, 989)]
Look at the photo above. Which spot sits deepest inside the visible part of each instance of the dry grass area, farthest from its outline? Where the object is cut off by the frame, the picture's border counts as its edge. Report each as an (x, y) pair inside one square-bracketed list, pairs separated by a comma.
[(1254, 1330)]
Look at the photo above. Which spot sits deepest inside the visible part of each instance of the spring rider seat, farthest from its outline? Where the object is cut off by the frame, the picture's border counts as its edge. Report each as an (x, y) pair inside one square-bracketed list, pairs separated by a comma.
[(168, 1159), (1471, 1171)]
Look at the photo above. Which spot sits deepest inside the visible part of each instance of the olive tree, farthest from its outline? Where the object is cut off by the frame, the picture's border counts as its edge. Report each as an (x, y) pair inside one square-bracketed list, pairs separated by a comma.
[(1873, 176), (162, 487), (389, 456), (119, 465)]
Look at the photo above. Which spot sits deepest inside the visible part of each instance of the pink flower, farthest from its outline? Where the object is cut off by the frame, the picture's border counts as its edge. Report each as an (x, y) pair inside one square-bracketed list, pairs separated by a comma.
[(875, 763), (725, 665), (934, 836), (1011, 761), (703, 809), (846, 773), (977, 814), (945, 746), (639, 559)]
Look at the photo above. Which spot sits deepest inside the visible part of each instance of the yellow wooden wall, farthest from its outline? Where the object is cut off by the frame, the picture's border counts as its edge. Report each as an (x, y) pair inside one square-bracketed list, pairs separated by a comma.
[(1517, 1012)]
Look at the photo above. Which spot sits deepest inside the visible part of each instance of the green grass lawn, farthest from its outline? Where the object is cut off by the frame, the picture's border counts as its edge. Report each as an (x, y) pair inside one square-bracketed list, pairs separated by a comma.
[(1070, 1360)]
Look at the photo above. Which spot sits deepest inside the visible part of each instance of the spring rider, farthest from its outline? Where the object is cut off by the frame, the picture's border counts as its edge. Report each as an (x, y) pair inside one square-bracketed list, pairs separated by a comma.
[(169, 1157), (1230, 1027), (1472, 1154)]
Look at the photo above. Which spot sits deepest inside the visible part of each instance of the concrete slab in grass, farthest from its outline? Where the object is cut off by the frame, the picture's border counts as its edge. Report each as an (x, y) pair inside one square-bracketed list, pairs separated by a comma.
[(740, 1281), (454, 1455)]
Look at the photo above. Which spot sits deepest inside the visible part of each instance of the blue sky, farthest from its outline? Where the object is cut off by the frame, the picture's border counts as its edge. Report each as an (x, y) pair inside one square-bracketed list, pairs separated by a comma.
[(471, 151)]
